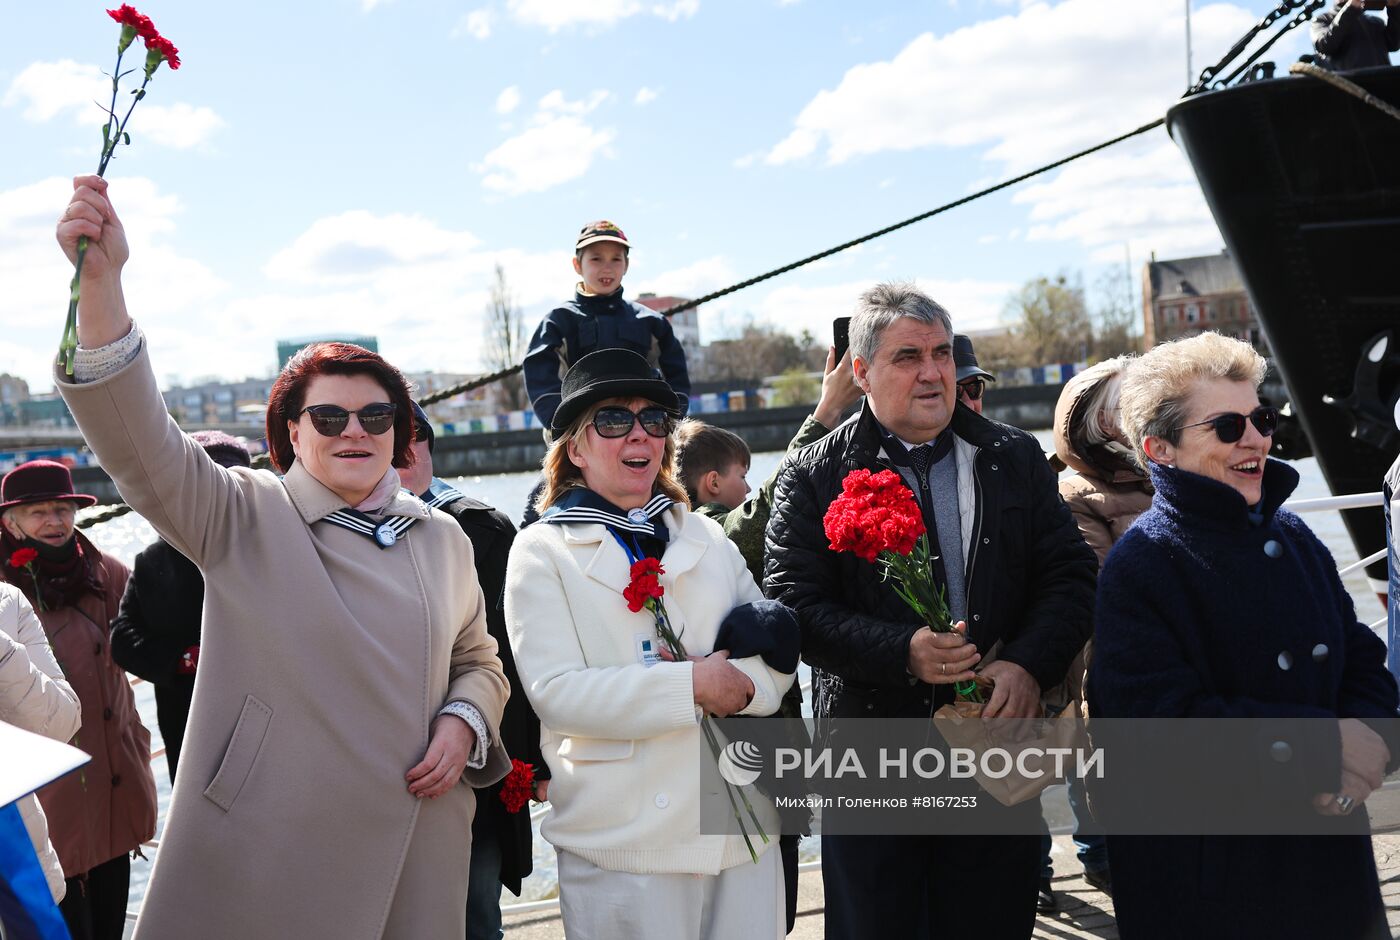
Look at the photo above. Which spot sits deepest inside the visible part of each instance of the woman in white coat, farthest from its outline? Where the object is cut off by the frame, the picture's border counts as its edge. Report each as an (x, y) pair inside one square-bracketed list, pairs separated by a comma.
[(34, 696), (620, 725)]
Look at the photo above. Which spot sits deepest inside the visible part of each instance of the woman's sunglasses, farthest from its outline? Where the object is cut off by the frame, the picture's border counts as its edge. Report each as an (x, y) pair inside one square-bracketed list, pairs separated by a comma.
[(1230, 427), (617, 422), (331, 420), (972, 389)]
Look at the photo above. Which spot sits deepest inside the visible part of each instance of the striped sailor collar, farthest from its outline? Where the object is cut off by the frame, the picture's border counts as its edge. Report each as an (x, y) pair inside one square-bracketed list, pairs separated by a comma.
[(583, 506), (315, 501), (440, 494)]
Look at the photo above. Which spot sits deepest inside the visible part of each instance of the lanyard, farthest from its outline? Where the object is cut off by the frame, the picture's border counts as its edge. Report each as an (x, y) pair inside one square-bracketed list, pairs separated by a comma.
[(632, 548)]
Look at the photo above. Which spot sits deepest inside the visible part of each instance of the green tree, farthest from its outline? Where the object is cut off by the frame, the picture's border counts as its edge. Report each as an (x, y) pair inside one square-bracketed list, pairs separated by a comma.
[(796, 386), (1051, 320)]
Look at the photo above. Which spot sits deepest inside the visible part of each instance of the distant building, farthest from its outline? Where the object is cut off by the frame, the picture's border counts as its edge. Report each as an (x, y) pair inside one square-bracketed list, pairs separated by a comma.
[(46, 411), (685, 325), (12, 391), (1185, 296), (287, 348), (457, 410), (219, 404)]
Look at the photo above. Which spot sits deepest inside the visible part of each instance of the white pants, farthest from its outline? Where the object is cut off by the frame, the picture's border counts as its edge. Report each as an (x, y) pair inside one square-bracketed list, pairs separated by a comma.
[(742, 903)]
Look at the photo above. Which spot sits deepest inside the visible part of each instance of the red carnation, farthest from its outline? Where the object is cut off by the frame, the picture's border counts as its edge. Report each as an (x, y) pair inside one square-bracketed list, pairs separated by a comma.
[(167, 50), (518, 786), (644, 584), (875, 513), (23, 557), (877, 519)]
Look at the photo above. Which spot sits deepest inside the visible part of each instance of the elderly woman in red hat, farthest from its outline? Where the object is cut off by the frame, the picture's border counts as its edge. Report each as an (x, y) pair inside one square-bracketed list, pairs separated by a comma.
[(102, 813)]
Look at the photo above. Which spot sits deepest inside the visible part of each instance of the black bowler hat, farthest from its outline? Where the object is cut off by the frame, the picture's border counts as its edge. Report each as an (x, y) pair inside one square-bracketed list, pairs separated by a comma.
[(966, 360), (610, 373), (40, 481), (422, 427)]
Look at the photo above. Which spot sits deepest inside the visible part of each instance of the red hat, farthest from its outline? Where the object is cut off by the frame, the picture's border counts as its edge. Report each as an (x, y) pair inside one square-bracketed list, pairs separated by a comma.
[(39, 481)]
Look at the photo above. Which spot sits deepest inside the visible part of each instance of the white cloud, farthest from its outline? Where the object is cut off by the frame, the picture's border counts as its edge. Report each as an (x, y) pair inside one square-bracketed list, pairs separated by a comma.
[(973, 304), (1143, 195), (476, 24), (508, 100), (555, 102), (165, 289), (1047, 79), (48, 90), (559, 146), (645, 96), (676, 10), (368, 5), (555, 15), (693, 280), (358, 246)]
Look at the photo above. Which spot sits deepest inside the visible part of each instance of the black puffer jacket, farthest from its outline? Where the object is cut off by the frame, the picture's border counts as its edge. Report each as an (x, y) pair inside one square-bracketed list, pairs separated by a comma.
[(1030, 574)]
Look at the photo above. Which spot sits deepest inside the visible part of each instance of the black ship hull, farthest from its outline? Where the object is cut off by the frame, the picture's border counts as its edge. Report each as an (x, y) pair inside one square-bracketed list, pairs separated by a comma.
[(1304, 183)]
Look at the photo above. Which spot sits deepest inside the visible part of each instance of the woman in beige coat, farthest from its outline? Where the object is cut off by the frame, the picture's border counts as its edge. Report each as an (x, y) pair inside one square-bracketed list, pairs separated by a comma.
[(349, 695), (34, 696)]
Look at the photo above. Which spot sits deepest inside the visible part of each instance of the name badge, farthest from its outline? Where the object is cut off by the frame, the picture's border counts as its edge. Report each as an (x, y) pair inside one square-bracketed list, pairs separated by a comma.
[(648, 653)]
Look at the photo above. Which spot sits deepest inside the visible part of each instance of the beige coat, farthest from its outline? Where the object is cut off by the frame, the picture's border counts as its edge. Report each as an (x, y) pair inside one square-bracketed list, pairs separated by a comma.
[(34, 696), (324, 660)]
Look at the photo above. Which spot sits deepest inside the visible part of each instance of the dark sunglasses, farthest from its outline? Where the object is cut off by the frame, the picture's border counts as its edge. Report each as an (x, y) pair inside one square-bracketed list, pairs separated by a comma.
[(1230, 427), (330, 420), (972, 389), (617, 422)]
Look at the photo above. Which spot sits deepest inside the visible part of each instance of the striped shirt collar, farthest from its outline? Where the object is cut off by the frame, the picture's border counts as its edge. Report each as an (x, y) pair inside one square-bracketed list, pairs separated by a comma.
[(584, 506)]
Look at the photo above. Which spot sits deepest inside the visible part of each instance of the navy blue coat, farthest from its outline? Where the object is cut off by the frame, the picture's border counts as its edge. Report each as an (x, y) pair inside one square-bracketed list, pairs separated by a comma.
[(587, 324), (1204, 613)]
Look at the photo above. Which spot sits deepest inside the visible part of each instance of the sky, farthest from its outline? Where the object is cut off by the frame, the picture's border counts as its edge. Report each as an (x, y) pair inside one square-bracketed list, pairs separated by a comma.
[(360, 166)]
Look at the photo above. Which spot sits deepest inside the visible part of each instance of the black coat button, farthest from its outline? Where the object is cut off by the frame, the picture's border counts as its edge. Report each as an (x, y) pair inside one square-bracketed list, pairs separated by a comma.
[(107, 714), (1285, 660), (116, 780), (1273, 549), (1320, 652), (1281, 752)]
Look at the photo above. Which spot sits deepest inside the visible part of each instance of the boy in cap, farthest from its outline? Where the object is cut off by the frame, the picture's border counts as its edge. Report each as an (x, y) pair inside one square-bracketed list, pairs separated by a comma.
[(599, 318)]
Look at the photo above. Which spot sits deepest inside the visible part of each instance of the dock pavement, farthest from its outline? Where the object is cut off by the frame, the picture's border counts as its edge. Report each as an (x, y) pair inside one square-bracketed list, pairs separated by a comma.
[(1084, 911)]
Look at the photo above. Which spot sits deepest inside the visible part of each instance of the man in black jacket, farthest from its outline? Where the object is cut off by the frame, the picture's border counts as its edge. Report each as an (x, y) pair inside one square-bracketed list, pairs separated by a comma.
[(1016, 571), (157, 630), (1346, 38), (501, 840)]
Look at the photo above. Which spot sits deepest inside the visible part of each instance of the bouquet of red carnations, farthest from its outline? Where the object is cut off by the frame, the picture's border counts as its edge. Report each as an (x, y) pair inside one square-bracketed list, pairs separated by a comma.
[(877, 518)]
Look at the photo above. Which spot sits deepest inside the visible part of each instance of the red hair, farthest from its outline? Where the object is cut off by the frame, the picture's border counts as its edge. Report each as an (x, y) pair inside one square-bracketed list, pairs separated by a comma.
[(288, 396)]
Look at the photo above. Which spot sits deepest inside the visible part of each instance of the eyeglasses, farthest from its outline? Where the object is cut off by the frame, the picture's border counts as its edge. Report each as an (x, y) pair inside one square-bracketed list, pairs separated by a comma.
[(1230, 427), (421, 431), (972, 389), (330, 420), (618, 422)]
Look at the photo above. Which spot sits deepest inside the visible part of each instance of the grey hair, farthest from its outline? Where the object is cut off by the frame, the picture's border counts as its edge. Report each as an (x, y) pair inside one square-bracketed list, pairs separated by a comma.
[(1155, 396), (1107, 379), (885, 303)]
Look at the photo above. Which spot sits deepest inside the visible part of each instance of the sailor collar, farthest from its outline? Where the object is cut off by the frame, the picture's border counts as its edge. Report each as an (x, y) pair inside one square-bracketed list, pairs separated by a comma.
[(440, 494), (317, 503), (587, 507)]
